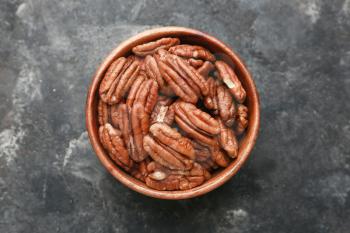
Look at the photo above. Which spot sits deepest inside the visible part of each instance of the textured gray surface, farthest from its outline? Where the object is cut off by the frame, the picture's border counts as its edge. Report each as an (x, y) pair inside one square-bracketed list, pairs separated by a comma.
[(297, 179)]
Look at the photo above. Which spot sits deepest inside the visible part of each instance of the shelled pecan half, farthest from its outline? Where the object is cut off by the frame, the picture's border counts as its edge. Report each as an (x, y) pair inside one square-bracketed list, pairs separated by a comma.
[(219, 157), (118, 81), (228, 76), (169, 148), (112, 142), (122, 118), (180, 87), (114, 116), (205, 69), (147, 95), (227, 140), (197, 124), (241, 119), (165, 155), (195, 63), (183, 74), (102, 112), (192, 51), (163, 111), (152, 47), (139, 170), (162, 178), (134, 90), (226, 105), (210, 101), (140, 127), (220, 101), (173, 139)]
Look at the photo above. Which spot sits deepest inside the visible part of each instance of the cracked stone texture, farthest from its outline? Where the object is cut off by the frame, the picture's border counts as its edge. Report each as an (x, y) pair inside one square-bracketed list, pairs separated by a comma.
[(297, 178)]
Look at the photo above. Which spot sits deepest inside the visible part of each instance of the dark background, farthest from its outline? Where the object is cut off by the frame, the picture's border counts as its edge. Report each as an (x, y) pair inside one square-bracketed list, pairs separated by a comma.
[(297, 178)]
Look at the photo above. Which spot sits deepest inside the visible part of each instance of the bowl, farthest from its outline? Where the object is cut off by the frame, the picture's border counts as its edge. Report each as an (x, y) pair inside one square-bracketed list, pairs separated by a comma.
[(217, 47)]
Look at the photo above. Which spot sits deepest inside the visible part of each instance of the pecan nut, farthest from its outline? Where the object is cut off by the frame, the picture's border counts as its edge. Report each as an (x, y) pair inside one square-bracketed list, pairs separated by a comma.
[(227, 140), (219, 157), (195, 63), (163, 111), (152, 47), (139, 170), (182, 73), (118, 81), (162, 178), (124, 122), (147, 95), (134, 125), (165, 155), (153, 72), (205, 69), (241, 119), (177, 84), (102, 112), (173, 139), (115, 119), (112, 73), (134, 89), (197, 124), (228, 76), (211, 101), (169, 148), (226, 106), (220, 101), (210, 157), (135, 115), (192, 51), (140, 127), (112, 142)]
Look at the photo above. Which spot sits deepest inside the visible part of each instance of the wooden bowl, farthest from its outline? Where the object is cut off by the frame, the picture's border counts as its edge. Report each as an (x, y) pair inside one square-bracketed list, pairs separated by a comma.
[(190, 36)]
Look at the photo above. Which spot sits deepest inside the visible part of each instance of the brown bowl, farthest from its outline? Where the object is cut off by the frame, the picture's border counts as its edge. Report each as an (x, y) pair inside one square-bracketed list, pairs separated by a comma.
[(190, 36)]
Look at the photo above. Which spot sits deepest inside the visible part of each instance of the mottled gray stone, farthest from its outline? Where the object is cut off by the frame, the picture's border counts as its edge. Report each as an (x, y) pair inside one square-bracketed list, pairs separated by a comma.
[(297, 179)]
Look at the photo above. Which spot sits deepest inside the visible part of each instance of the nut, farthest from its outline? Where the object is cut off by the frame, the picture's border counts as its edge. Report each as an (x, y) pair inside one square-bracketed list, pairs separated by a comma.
[(152, 47), (241, 119), (195, 63), (192, 51), (102, 112), (227, 140), (165, 155), (180, 87), (161, 178), (123, 75), (139, 170), (219, 157), (169, 148), (173, 139), (228, 76), (205, 69), (112, 142), (134, 89), (163, 111), (226, 106), (197, 124), (220, 101)]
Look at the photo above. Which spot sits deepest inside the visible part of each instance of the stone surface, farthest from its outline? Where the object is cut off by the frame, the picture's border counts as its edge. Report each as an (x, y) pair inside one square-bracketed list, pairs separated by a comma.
[(297, 179)]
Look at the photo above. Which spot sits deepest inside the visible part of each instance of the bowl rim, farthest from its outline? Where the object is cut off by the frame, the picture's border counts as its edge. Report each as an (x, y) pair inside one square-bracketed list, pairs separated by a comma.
[(137, 185)]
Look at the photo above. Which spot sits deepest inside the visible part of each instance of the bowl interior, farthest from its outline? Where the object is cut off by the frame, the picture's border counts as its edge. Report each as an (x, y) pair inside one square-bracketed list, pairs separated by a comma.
[(220, 50)]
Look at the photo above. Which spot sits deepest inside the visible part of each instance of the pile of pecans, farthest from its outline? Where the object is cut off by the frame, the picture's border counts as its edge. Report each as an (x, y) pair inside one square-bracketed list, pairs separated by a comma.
[(170, 114)]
